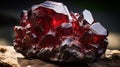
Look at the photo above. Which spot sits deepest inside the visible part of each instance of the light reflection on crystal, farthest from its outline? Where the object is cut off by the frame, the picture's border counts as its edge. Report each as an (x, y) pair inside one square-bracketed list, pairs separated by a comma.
[(88, 16), (98, 29)]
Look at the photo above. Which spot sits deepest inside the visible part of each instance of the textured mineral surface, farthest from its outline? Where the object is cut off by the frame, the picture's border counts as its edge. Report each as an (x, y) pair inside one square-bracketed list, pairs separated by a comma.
[(10, 58), (49, 31)]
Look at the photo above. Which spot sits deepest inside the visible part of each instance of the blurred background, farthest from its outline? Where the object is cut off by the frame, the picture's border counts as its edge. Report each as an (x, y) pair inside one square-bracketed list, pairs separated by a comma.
[(105, 12)]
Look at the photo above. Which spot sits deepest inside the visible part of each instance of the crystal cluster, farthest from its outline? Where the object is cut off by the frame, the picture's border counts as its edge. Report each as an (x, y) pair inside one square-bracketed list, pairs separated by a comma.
[(49, 31)]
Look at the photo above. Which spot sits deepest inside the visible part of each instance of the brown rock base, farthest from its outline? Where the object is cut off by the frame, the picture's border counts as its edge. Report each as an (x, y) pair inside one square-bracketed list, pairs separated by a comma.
[(9, 58)]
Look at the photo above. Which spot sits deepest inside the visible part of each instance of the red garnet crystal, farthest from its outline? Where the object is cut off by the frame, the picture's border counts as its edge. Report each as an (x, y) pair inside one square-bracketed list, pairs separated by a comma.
[(49, 31)]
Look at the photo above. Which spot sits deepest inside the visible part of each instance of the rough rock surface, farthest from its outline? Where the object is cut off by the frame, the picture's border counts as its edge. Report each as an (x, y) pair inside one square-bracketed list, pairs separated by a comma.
[(9, 58)]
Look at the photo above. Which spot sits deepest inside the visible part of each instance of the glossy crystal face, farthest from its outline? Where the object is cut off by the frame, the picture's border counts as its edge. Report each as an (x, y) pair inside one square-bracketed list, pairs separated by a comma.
[(49, 31)]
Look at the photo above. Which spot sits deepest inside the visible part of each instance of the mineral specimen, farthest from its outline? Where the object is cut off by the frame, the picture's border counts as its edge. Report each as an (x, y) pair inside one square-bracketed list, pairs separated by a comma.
[(48, 31)]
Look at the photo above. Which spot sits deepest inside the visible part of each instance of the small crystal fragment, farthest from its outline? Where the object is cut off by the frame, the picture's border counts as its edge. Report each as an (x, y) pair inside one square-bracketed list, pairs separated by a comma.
[(97, 28), (88, 16)]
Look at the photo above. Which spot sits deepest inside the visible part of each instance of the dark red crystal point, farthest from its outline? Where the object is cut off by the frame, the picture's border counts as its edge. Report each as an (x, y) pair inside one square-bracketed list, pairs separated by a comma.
[(49, 31)]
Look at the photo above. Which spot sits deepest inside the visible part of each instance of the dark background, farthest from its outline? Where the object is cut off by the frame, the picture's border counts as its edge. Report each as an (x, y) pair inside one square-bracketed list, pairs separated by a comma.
[(105, 12)]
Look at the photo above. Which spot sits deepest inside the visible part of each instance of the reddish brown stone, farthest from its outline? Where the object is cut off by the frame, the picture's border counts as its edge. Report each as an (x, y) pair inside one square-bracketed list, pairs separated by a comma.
[(49, 31)]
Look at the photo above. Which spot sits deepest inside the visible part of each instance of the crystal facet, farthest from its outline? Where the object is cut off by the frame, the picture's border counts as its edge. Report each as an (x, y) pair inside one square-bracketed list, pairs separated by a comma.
[(98, 29), (88, 16), (49, 31)]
